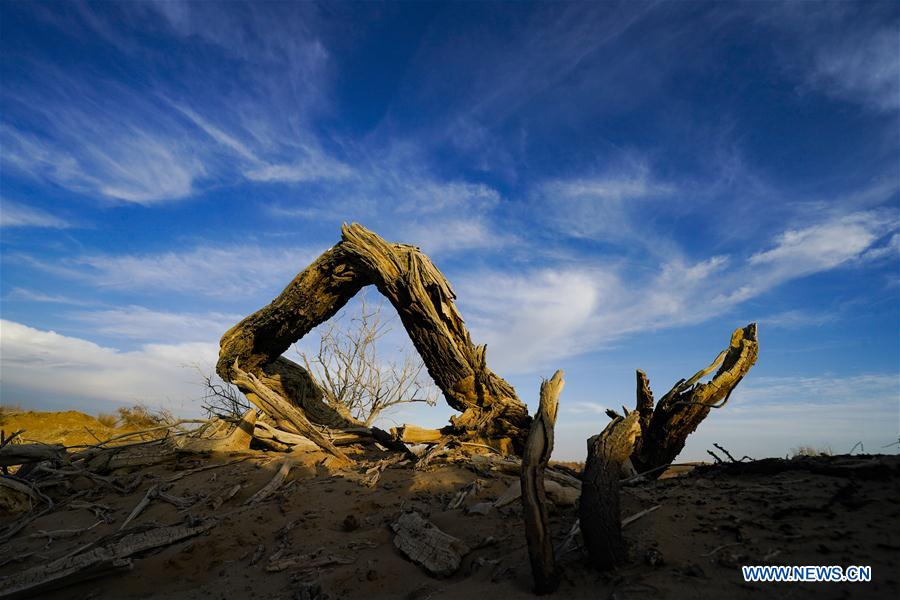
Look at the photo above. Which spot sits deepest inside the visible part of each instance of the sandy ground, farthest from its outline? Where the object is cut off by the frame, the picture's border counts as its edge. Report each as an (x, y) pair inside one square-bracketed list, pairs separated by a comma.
[(709, 522)]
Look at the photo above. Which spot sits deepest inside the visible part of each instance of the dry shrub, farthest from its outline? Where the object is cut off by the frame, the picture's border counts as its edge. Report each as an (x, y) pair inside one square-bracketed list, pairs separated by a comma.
[(141, 417), (107, 420), (8, 410)]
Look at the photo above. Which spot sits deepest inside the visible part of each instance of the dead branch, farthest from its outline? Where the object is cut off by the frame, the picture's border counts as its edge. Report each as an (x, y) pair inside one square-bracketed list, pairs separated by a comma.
[(273, 484), (310, 561), (152, 492), (638, 515), (538, 447)]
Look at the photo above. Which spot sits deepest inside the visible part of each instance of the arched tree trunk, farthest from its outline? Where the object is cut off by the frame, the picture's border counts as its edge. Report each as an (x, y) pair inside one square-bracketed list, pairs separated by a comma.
[(424, 300)]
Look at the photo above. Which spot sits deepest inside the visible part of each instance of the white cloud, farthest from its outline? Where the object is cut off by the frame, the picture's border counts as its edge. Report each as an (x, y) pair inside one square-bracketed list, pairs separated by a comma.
[(531, 319), (32, 296), (143, 324), (13, 214), (611, 205), (122, 162), (439, 236), (770, 416), (44, 366), (213, 271), (862, 66), (316, 166), (821, 246)]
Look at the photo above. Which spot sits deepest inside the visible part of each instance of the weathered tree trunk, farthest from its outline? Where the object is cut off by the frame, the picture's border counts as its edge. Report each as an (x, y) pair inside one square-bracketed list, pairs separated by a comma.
[(423, 299), (538, 448), (649, 438), (598, 509), (665, 428)]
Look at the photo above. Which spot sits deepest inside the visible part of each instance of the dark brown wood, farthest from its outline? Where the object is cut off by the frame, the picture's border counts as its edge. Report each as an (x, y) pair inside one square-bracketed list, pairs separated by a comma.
[(599, 509), (18, 454), (491, 410), (538, 447)]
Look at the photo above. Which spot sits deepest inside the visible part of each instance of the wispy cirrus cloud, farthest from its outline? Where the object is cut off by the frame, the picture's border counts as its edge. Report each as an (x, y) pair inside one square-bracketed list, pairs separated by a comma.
[(147, 325), (14, 214), (210, 271)]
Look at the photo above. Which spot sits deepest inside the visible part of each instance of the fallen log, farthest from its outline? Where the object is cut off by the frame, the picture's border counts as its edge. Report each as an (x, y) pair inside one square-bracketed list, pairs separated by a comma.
[(220, 436), (19, 454), (413, 434), (538, 448), (424, 301)]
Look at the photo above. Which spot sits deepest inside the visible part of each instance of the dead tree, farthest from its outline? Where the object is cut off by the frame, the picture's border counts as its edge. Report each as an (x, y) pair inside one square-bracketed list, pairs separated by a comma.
[(250, 352), (650, 438), (538, 448), (664, 429), (598, 508)]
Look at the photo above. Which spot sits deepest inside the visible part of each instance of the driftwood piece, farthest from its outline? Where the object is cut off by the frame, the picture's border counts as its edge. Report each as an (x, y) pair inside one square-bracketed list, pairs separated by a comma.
[(19, 454), (88, 565), (273, 484), (599, 510), (538, 448), (309, 561), (664, 429), (152, 492), (439, 553), (424, 301)]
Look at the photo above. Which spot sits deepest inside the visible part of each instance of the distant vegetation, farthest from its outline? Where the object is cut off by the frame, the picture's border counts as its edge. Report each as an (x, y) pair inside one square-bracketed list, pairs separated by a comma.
[(811, 451), (139, 417)]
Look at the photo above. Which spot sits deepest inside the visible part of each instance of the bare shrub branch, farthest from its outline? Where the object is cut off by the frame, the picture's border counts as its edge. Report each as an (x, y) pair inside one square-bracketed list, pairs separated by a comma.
[(352, 374)]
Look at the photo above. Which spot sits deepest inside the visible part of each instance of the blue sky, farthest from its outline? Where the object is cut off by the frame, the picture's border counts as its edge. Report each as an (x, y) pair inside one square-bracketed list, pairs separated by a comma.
[(607, 186)]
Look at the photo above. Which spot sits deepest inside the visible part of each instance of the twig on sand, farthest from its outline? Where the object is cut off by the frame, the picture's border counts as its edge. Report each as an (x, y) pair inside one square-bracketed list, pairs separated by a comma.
[(631, 519)]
